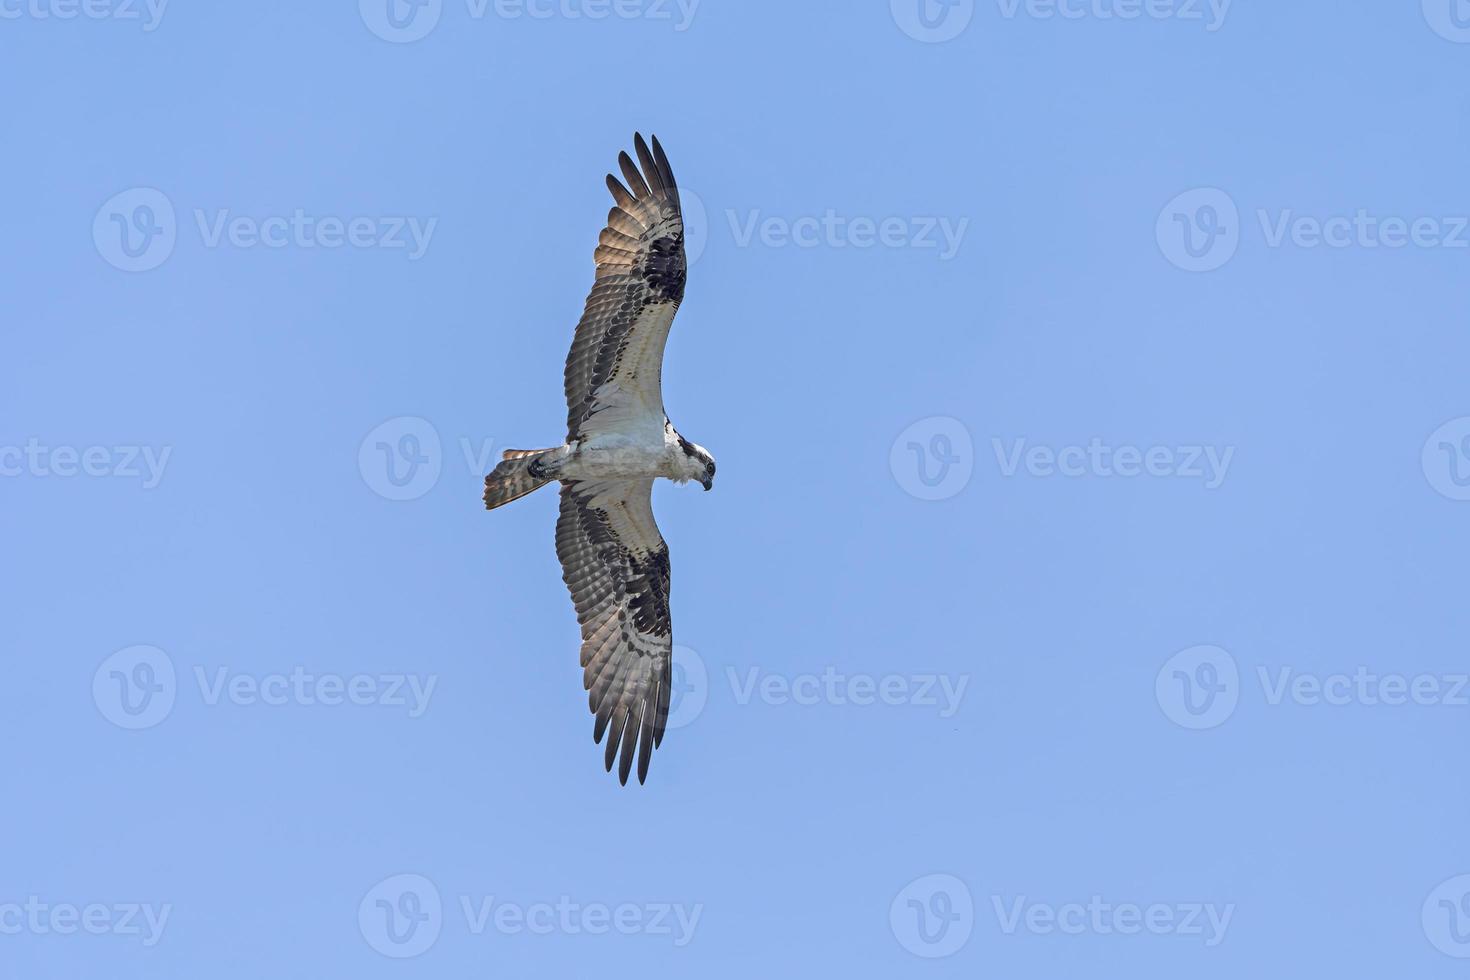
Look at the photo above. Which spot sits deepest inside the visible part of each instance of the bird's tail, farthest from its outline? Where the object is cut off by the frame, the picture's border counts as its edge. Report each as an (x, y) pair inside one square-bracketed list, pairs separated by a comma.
[(519, 472)]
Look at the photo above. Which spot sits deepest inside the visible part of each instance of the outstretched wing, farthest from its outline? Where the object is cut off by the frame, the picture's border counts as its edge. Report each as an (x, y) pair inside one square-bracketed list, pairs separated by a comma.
[(613, 377), (616, 565)]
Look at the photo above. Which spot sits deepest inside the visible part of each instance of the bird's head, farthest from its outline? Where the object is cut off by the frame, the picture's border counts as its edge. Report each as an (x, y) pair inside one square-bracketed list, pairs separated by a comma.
[(698, 463)]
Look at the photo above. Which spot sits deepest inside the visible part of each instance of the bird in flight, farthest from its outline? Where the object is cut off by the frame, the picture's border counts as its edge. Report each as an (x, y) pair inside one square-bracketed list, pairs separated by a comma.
[(619, 440)]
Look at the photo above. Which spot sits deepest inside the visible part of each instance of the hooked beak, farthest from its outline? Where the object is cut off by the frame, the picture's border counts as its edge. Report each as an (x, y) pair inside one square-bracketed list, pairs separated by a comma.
[(708, 484)]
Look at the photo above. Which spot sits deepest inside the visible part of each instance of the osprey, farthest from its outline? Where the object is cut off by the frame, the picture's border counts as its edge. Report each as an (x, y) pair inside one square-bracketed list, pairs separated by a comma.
[(619, 440)]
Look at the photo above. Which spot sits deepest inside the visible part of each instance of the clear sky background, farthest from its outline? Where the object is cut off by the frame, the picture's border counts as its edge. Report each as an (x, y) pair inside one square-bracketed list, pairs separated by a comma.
[(1004, 633)]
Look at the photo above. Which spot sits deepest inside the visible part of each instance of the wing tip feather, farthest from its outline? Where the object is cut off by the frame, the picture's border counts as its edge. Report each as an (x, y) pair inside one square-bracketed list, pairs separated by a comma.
[(635, 180), (620, 193), (665, 170)]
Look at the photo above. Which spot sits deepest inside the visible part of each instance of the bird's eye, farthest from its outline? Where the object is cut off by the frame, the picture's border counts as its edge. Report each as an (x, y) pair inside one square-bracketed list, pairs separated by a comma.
[(710, 468)]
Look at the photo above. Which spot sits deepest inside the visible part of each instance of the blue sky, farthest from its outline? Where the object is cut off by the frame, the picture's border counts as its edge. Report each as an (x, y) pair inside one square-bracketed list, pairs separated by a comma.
[(1082, 587)]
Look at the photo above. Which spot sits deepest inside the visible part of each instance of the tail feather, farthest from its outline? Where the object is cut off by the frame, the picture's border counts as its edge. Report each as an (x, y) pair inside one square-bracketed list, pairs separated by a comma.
[(516, 475)]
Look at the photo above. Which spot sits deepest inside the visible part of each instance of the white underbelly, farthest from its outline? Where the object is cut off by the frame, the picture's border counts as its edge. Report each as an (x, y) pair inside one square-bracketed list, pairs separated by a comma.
[(615, 460)]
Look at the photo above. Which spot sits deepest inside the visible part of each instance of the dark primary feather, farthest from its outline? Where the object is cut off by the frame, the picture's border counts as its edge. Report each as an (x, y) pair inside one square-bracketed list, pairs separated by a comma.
[(641, 271), (650, 166)]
